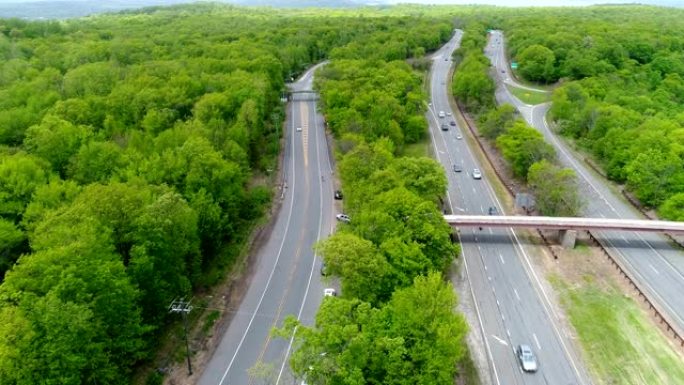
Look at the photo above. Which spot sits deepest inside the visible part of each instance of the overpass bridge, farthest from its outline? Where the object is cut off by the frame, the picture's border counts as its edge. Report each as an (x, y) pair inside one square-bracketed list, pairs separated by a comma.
[(567, 226)]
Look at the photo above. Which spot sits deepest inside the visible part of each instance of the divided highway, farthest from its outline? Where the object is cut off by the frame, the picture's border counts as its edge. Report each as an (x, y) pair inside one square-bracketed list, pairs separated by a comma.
[(511, 304), (657, 267), (286, 279)]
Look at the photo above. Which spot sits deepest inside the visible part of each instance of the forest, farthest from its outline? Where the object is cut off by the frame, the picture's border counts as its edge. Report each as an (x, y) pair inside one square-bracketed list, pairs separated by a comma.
[(620, 91), (129, 149)]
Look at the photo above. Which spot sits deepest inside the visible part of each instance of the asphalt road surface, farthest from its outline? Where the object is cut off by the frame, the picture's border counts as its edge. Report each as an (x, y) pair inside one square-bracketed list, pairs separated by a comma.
[(511, 304), (652, 261), (287, 278)]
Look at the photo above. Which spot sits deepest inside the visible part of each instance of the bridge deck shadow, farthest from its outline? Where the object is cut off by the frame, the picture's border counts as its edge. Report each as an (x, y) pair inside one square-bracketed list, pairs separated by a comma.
[(501, 237)]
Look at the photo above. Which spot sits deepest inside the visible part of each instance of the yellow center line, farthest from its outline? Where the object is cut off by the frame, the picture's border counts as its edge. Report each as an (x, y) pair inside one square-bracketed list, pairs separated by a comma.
[(304, 113)]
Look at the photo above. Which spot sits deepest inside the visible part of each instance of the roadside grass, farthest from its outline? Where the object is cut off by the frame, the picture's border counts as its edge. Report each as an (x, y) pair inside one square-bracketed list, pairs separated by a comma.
[(529, 97), (621, 345), (418, 149)]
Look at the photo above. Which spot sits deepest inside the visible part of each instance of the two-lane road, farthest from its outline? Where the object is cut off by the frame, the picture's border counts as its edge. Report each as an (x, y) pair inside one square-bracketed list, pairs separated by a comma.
[(511, 306), (286, 280), (652, 261)]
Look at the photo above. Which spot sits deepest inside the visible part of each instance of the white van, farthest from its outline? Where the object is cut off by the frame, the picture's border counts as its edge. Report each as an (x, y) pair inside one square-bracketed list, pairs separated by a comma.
[(441, 114)]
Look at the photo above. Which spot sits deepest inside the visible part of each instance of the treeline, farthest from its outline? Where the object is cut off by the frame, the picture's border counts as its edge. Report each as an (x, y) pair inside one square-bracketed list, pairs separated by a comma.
[(128, 149), (472, 84), (394, 321), (622, 94), (528, 156)]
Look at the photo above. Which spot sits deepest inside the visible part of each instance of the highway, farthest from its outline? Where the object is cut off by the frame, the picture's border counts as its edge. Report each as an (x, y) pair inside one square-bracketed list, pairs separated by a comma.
[(286, 278), (657, 267), (511, 305)]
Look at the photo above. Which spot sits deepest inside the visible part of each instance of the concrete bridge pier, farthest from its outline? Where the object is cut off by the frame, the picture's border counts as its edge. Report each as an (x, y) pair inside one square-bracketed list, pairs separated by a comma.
[(567, 238)]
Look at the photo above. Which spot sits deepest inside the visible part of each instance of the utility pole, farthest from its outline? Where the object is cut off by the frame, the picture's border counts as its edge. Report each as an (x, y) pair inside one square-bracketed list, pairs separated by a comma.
[(180, 306)]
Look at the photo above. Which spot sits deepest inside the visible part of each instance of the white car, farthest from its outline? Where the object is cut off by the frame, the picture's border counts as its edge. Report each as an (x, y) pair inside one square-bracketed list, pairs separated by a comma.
[(343, 218), (477, 174), (330, 292), (459, 137), (299, 129), (448, 113), (527, 359)]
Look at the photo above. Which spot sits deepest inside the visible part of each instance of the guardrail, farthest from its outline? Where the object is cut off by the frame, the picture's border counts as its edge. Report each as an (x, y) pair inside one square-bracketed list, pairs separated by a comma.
[(674, 332)]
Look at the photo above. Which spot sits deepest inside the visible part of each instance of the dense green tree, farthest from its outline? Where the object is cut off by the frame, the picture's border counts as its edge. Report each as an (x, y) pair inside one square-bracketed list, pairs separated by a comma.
[(20, 175), (362, 268), (414, 339), (56, 141), (555, 189), (497, 120), (537, 63), (522, 145), (76, 309)]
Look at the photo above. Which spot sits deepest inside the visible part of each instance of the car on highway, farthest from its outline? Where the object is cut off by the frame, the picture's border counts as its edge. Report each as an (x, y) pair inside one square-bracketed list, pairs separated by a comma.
[(330, 292), (299, 129), (445, 127), (338, 194), (452, 123), (441, 114), (448, 113), (477, 174), (459, 137), (343, 218), (527, 359), (324, 270), (458, 168)]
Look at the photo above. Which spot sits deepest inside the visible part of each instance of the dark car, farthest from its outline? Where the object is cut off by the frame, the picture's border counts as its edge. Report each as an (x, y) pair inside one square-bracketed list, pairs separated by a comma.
[(445, 127), (492, 210), (338, 194), (458, 168), (452, 123)]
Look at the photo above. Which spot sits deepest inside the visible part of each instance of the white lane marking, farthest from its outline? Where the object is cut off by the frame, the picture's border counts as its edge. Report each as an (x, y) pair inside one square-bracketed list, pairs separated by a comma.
[(313, 261), (489, 278), (465, 264), (500, 340), (536, 341), (275, 264), (624, 238), (479, 248), (491, 232), (502, 260), (653, 268), (474, 191), (516, 294), (508, 332)]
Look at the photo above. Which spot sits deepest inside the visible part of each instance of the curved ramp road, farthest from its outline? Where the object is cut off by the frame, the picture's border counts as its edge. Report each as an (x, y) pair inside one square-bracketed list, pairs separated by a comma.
[(511, 304), (287, 279), (652, 261)]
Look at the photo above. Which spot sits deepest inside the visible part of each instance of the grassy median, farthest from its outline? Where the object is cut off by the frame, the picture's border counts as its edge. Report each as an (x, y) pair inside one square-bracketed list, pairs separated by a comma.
[(528, 96), (620, 343)]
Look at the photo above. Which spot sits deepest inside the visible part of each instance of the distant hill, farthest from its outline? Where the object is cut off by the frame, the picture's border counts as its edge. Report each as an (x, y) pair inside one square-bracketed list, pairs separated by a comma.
[(62, 9)]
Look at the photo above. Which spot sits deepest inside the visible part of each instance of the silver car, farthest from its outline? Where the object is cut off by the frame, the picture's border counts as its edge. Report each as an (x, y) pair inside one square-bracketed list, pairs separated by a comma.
[(477, 174), (343, 218), (527, 359)]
